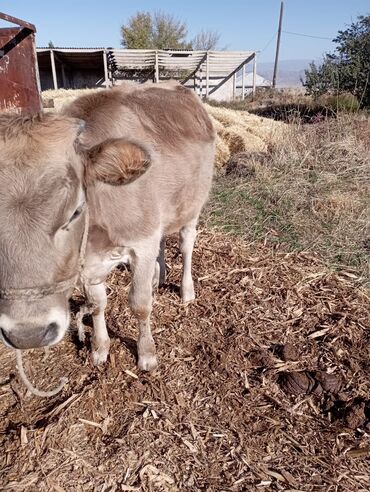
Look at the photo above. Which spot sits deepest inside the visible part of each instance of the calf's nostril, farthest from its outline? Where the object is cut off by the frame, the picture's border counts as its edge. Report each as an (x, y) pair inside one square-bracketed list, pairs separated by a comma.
[(51, 333)]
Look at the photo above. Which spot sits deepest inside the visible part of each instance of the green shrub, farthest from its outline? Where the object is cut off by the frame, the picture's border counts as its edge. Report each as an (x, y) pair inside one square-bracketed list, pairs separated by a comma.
[(344, 102), (347, 69)]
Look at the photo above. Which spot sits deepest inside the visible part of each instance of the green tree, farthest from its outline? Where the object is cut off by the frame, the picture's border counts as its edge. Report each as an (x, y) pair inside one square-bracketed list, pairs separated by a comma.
[(348, 68), (138, 33), (154, 31), (51, 44)]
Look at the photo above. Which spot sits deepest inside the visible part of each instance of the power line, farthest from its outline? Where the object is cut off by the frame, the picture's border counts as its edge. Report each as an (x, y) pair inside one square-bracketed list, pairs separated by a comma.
[(269, 42), (306, 35)]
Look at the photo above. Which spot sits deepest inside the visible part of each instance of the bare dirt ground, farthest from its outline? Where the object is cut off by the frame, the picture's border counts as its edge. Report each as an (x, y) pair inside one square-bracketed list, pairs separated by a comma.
[(263, 384)]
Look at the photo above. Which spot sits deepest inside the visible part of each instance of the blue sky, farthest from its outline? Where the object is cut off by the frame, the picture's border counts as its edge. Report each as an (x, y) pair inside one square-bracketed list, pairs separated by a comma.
[(243, 24)]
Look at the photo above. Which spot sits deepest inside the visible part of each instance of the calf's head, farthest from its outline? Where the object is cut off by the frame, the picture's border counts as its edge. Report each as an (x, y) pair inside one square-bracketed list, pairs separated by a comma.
[(44, 174)]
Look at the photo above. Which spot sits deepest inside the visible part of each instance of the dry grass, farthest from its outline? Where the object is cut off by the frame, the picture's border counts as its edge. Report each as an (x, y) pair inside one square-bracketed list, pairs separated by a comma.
[(293, 105), (267, 97), (217, 415), (309, 190)]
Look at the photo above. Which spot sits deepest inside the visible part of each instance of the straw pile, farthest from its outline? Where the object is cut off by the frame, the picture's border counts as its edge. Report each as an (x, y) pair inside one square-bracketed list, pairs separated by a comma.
[(240, 131), (60, 97), (263, 384), (237, 131)]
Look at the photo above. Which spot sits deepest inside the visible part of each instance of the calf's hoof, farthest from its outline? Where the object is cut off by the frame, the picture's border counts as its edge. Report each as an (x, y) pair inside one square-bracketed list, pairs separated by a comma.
[(187, 294), (147, 362), (100, 353)]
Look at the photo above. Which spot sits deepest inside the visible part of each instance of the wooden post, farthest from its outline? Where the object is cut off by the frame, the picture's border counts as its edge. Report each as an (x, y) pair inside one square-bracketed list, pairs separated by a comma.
[(278, 45), (156, 79), (53, 69), (243, 82), (105, 61), (64, 79), (254, 74), (207, 74), (234, 86)]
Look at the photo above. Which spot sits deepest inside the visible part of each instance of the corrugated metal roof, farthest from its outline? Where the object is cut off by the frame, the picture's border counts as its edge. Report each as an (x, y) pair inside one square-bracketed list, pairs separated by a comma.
[(70, 48), (88, 58), (225, 61)]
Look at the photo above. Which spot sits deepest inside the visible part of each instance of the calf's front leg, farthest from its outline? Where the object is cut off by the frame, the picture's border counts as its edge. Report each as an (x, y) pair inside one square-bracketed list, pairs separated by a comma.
[(97, 296), (140, 299)]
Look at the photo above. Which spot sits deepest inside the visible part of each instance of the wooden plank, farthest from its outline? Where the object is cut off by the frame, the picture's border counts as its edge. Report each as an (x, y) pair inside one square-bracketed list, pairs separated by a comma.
[(156, 68), (53, 69), (105, 61), (64, 78), (207, 74), (254, 74), (243, 82), (63, 65), (193, 74), (201, 82), (223, 81)]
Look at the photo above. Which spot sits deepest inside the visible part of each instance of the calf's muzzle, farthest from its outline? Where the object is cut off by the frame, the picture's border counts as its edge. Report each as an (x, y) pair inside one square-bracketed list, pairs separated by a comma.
[(26, 337)]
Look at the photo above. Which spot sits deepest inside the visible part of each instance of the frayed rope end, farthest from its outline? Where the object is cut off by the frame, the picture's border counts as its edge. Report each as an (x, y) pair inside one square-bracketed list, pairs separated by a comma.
[(28, 384)]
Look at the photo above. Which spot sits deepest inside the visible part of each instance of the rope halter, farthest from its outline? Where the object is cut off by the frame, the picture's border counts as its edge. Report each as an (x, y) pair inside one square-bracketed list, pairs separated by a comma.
[(35, 293)]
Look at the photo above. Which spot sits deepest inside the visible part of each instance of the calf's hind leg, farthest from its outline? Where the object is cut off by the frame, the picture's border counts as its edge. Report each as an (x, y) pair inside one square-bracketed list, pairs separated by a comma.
[(187, 235), (159, 277), (140, 299)]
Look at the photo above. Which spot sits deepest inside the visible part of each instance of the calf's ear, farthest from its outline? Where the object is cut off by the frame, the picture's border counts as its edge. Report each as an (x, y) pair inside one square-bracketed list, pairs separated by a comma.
[(116, 162)]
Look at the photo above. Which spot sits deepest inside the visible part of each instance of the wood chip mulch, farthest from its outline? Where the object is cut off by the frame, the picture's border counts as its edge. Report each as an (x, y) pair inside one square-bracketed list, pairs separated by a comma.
[(263, 385)]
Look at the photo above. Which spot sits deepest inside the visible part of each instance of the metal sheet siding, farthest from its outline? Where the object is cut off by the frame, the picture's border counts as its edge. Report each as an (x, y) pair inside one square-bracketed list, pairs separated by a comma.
[(19, 84)]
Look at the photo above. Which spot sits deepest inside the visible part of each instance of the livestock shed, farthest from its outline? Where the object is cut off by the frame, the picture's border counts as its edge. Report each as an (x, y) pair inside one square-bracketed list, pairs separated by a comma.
[(73, 68), (204, 71)]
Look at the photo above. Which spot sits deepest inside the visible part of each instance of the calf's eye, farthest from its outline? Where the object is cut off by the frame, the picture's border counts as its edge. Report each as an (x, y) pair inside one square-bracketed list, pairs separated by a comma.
[(74, 216), (76, 213)]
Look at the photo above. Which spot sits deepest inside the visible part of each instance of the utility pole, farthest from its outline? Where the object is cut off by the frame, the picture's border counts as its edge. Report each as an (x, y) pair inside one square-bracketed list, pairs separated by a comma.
[(278, 45)]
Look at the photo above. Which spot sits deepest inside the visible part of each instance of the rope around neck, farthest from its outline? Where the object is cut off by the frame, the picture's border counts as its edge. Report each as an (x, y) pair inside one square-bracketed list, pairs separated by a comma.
[(40, 292)]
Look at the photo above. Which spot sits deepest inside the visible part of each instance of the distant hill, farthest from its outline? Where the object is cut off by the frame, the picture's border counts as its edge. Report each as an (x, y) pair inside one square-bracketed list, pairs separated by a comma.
[(290, 72)]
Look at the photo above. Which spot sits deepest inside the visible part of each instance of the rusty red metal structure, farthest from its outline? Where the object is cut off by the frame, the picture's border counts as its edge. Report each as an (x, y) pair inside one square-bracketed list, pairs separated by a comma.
[(19, 78)]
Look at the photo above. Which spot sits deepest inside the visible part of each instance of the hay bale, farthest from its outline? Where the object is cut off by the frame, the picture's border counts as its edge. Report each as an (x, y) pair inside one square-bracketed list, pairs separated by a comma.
[(241, 131), (242, 141), (222, 152)]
